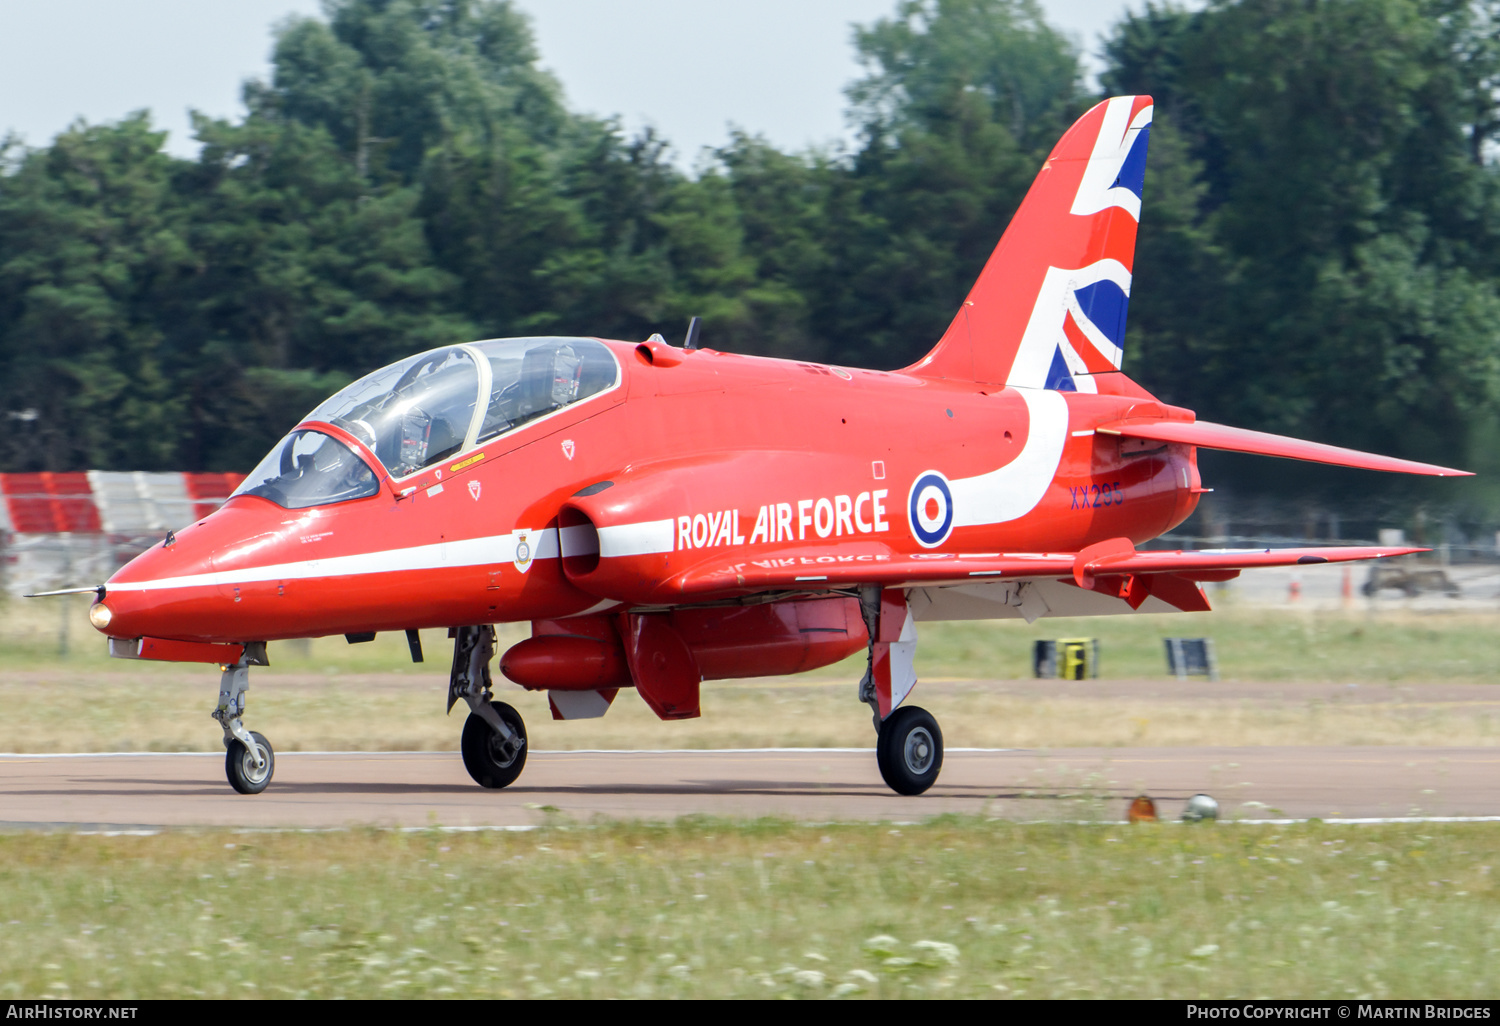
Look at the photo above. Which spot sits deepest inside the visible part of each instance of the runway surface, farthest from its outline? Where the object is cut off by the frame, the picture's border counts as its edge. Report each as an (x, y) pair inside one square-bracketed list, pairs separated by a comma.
[(427, 789)]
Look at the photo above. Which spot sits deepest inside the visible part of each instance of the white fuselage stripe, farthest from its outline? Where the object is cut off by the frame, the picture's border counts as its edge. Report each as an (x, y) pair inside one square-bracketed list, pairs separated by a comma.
[(469, 552), (622, 540), (645, 539)]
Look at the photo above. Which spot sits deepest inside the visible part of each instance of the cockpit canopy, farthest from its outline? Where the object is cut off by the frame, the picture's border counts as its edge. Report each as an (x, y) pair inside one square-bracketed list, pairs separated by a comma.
[(430, 407)]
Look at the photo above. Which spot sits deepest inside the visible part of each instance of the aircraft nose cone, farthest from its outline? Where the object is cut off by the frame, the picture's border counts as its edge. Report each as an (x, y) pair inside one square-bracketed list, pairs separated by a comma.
[(170, 590), (139, 597)]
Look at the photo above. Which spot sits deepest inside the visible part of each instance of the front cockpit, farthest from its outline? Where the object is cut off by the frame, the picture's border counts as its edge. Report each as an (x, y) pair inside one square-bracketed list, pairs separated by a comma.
[(309, 469), (427, 409)]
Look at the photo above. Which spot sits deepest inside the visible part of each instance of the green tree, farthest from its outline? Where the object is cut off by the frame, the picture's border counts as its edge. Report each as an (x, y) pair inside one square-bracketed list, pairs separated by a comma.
[(1341, 258), (93, 247), (1319, 250), (961, 102), (392, 79), (306, 271)]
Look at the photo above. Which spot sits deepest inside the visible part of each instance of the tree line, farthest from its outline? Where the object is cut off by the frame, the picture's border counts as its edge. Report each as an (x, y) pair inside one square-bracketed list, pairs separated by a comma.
[(1319, 251)]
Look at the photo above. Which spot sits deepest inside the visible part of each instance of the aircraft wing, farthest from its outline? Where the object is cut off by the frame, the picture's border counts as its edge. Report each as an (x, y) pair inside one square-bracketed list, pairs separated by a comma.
[(1232, 439), (827, 567)]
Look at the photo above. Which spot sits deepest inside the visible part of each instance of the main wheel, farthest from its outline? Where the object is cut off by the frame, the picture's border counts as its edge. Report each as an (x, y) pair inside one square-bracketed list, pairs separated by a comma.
[(239, 765), (909, 750), (486, 756)]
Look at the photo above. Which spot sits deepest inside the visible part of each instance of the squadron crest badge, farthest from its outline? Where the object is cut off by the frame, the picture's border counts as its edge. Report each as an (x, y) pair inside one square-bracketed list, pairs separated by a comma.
[(525, 548)]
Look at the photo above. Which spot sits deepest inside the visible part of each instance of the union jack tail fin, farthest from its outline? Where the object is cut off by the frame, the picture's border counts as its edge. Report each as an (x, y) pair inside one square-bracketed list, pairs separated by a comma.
[(1049, 308)]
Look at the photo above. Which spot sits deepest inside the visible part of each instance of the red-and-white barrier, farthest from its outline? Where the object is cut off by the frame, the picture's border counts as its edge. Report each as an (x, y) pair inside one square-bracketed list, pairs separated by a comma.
[(60, 530)]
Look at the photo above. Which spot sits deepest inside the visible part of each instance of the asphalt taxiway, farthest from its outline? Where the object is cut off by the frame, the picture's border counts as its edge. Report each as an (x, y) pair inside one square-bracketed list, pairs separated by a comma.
[(329, 790)]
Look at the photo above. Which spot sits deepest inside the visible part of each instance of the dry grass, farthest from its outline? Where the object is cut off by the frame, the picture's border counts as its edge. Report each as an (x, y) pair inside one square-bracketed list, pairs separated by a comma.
[(401, 713)]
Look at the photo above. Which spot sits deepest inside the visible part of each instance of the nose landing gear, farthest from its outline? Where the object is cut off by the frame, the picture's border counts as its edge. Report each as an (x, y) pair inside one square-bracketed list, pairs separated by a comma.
[(249, 760)]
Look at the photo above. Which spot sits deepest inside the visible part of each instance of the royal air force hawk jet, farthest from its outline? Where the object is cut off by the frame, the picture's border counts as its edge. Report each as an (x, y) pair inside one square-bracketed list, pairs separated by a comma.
[(664, 516)]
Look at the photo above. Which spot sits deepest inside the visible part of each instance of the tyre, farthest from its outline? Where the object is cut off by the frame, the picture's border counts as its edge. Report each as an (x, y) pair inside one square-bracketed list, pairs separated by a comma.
[(239, 765), (909, 750), (485, 755)]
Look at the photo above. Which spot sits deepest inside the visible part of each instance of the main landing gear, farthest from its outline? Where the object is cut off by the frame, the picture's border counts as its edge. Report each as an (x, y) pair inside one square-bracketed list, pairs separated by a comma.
[(249, 759), (909, 750), (494, 738), (909, 745)]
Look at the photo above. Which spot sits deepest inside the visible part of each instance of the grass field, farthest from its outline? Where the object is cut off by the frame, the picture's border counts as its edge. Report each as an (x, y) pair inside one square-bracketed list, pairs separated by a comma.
[(958, 908), (328, 695)]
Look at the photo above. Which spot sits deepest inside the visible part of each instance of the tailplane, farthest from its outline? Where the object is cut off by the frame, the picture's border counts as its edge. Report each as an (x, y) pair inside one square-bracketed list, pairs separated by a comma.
[(1049, 308)]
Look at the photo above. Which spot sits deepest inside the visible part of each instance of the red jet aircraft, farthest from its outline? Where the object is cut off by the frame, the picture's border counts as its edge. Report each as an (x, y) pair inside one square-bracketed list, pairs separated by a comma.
[(667, 515)]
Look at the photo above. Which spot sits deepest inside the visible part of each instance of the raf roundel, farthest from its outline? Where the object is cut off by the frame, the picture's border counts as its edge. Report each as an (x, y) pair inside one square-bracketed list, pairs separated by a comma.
[(929, 509)]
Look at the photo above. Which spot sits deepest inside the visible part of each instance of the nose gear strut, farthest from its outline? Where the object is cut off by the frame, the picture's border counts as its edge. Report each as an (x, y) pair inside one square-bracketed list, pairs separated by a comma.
[(249, 760)]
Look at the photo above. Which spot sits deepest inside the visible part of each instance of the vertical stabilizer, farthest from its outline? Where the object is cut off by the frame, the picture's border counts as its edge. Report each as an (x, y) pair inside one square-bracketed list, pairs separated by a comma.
[(1049, 308)]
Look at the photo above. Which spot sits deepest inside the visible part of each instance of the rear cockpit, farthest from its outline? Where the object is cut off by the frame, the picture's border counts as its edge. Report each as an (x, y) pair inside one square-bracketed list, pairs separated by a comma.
[(430, 408)]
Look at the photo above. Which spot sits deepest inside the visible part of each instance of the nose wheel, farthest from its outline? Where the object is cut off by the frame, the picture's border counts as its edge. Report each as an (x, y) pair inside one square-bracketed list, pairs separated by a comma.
[(249, 769), (909, 750), (249, 759)]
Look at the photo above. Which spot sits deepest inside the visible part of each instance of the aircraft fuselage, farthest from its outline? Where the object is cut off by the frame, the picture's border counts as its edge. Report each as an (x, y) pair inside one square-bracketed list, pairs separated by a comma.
[(742, 455)]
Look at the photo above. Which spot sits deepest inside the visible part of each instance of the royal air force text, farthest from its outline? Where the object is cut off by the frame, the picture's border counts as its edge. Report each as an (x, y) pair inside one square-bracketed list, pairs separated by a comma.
[(838, 517)]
